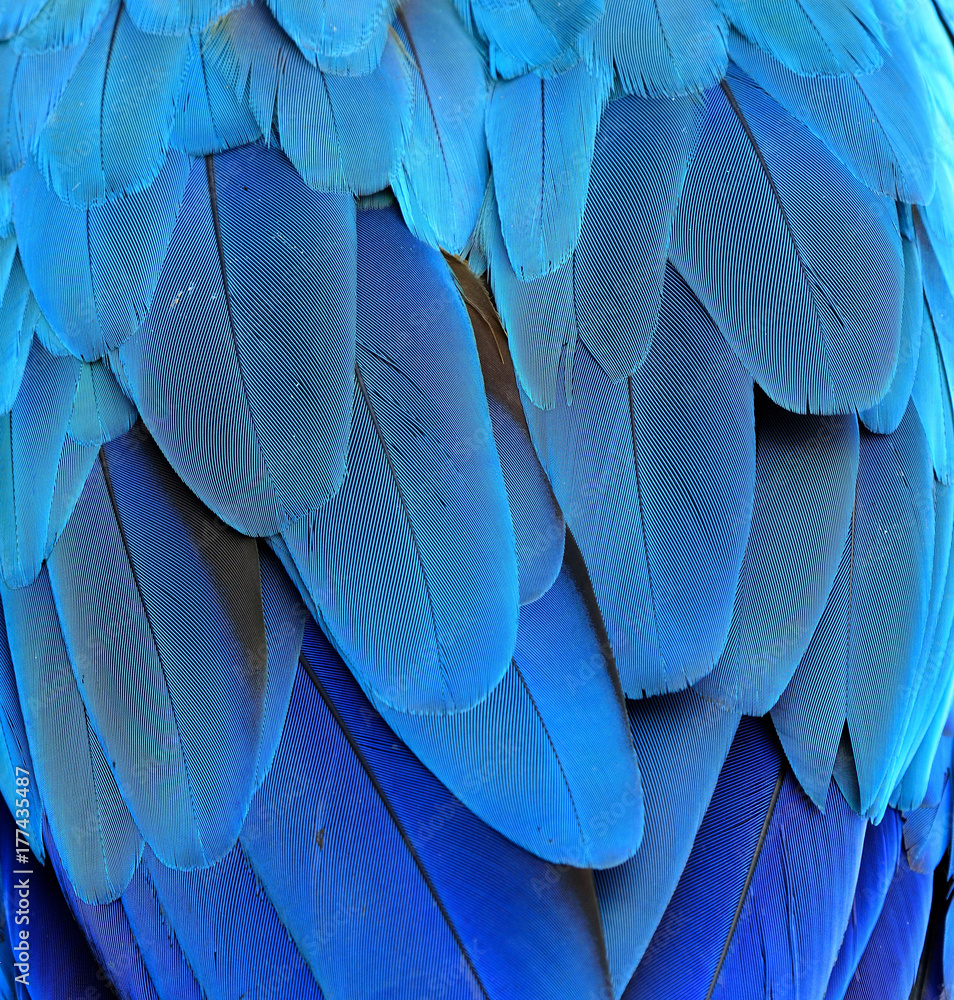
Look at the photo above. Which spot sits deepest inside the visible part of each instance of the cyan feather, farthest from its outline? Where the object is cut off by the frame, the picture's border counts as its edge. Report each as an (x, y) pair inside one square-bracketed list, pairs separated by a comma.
[(407, 884), (16, 15), (338, 29), (540, 134), (412, 565), (633, 466), (931, 396), (189, 663), (98, 144), (92, 827), (766, 891), (18, 316), (927, 829), (254, 310), (805, 474), (98, 288), (100, 410), (175, 17), (797, 261), (60, 24)]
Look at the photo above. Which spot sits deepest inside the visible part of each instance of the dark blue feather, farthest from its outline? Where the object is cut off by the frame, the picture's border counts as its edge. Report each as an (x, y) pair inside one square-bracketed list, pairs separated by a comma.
[(93, 829), (634, 464), (97, 144), (540, 134), (797, 261), (766, 891), (681, 741), (98, 288), (659, 49), (189, 662), (424, 613), (409, 892), (805, 474), (254, 310), (878, 862)]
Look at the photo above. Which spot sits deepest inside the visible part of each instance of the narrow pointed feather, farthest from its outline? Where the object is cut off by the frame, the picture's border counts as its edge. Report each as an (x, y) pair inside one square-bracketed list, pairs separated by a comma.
[(442, 176), (927, 831), (797, 261), (58, 962), (912, 789), (547, 759), (679, 734), (97, 289), (619, 264), (61, 24), (406, 884), (887, 413), (661, 49), (633, 464), (814, 37), (76, 463), (97, 144), (805, 474), (186, 769), (30, 462), (880, 124), (18, 313), (100, 410), (766, 891), (254, 311), (210, 117), (335, 28), (174, 17), (878, 862), (889, 965), (932, 399), (540, 134), (538, 523), (424, 613), (95, 833)]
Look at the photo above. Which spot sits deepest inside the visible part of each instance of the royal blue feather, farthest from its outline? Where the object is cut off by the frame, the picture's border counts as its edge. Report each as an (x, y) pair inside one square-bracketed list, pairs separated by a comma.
[(662, 49), (679, 734), (424, 613), (797, 261), (880, 124), (254, 310), (406, 884), (655, 475), (813, 37), (98, 144), (189, 663), (92, 827), (879, 858), (541, 134), (98, 289), (766, 891), (805, 474), (442, 176)]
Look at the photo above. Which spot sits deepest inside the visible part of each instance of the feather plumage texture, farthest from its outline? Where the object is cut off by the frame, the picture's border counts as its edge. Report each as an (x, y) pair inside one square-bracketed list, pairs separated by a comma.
[(633, 466), (60, 24), (255, 304), (423, 613), (100, 410), (187, 772), (766, 208)]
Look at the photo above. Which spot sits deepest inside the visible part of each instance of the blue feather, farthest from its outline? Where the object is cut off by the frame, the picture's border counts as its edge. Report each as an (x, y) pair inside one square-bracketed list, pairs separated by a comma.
[(681, 736), (537, 521), (409, 892), (425, 613), (872, 627), (633, 466), (336, 28), (660, 49), (98, 288), (441, 179), (93, 829), (541, 135), (889, 965), (16, 14), (100, 410), (255, 298), (805, 474), (887, 413), (97, 144), (189, 664), (766, 891), (18, 315), (931, 396), (813, 37), (797, 261), (547, 759), (878, 862), (61, 24), (880, 124), (927, 830), (174, 17), (913, 787)]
